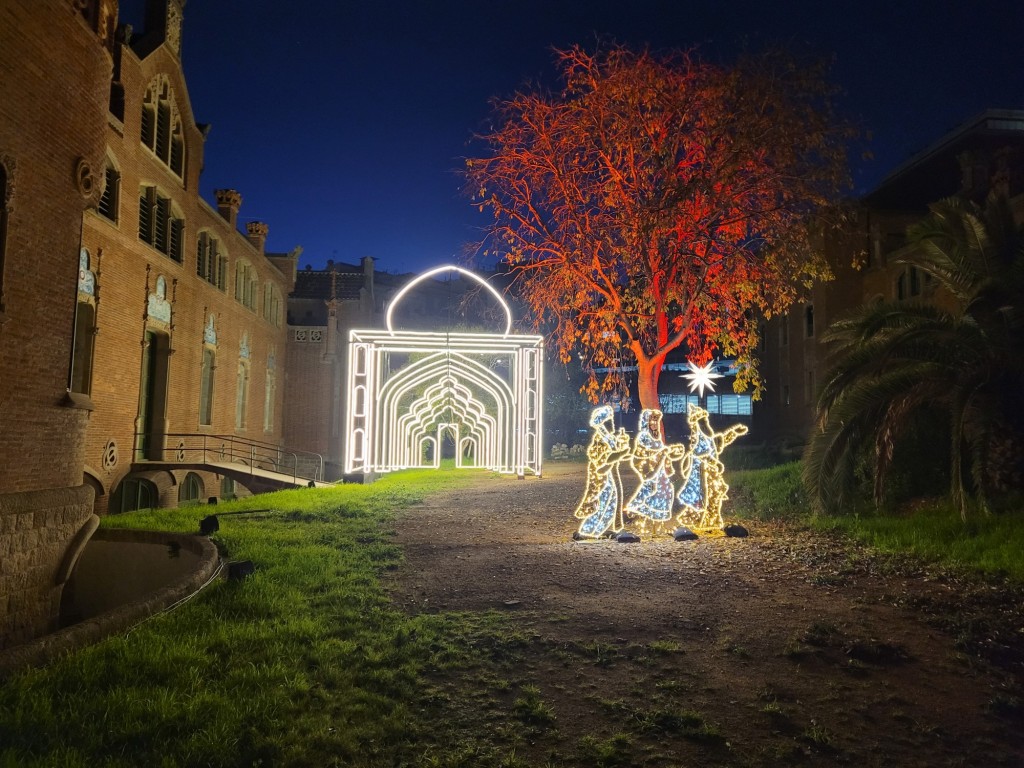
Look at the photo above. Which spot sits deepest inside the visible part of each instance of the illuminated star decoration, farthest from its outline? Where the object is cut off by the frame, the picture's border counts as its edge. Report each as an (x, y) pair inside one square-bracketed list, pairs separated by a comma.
[(701, 377)]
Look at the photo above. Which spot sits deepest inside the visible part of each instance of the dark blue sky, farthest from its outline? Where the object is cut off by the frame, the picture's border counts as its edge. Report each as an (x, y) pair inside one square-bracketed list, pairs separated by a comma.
[(342, 123)]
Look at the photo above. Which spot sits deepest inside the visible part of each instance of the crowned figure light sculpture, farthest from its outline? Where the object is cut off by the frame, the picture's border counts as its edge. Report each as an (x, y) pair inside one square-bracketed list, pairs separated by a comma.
[(410, 392), (704, 489), (675, 481)]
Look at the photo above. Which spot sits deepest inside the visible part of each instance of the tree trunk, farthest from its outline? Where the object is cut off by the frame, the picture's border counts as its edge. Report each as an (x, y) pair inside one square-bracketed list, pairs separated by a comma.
[(648, 373)]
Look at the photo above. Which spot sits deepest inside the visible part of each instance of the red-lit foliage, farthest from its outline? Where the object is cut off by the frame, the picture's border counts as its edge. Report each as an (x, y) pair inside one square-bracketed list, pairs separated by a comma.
[(660, 201)]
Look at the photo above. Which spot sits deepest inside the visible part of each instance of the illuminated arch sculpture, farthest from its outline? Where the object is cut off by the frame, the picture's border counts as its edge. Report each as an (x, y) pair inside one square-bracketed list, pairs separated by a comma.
[(409, 390)]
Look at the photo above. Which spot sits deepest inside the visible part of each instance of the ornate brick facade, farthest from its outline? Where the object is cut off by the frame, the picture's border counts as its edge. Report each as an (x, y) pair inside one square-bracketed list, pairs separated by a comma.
[(188, 311), (131, 310), (53, 107)]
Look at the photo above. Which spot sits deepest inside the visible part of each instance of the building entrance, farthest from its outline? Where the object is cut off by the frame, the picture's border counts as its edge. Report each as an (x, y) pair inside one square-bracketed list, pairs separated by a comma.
[(151, 423)]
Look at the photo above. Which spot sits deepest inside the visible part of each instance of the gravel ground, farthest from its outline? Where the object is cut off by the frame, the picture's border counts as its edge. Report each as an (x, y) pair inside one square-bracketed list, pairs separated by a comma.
[(786, 647)]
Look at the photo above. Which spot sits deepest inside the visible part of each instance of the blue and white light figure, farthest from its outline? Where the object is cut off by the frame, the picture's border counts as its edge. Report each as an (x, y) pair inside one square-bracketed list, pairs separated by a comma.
[(652, 460), (701, 492), (704, 489), (691, 495), (601, 506)]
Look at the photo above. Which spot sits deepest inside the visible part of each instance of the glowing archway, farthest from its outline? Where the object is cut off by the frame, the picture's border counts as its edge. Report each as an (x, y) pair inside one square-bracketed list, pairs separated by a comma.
[(411, 391)]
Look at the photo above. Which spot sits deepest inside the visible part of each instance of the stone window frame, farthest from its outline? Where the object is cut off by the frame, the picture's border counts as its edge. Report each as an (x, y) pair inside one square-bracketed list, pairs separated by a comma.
[(207, 384), (242, 396), (155, 209), (269, 397), (211, 260), (83, 348), (83, 352), (161, 129)]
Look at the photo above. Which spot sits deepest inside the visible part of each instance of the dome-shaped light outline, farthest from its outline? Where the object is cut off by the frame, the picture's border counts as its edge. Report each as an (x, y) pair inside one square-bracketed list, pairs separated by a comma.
[(448, 268)]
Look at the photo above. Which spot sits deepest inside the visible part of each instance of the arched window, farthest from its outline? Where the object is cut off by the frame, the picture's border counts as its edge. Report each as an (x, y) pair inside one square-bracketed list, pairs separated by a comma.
[(272, 304), (211, 262), (134, 493), (246, 283), (159, 224), (910, 283), (190, 491), (161, 126)]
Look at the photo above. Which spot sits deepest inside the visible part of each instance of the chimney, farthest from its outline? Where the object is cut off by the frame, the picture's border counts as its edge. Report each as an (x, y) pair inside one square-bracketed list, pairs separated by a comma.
[(228, 203), (368, 275), (256, 231)]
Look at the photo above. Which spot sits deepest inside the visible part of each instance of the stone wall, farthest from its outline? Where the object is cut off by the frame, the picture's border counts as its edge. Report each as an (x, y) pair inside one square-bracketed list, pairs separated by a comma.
[(91, 630), (38, 544)]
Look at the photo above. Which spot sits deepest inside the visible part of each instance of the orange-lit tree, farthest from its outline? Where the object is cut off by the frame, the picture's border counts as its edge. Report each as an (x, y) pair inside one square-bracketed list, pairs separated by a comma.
[(660, 201)]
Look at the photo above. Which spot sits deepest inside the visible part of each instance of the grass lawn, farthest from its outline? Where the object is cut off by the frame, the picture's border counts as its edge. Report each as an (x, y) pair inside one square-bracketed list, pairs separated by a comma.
[(933, 531), (304, 663), (308, 663)]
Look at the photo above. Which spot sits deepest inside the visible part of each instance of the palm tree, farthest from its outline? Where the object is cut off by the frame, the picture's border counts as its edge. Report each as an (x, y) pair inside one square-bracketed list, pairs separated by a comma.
[(894, 360)]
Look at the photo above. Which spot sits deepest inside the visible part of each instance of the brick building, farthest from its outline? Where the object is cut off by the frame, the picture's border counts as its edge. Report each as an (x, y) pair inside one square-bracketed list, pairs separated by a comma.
[(324, 306), (135, 319), (53, 117), (985, 152), (181, 327)]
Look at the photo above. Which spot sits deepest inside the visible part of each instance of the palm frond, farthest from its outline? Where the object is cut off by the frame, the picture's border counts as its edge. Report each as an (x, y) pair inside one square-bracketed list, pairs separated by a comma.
[(851, 423), (889, 360)]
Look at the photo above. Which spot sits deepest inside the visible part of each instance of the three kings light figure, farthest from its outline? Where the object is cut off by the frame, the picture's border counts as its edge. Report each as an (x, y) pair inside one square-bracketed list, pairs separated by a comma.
[(676, 481)]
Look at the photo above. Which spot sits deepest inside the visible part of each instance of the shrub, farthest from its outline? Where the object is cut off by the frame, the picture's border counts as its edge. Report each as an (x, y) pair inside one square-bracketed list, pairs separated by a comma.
[(768, 494)]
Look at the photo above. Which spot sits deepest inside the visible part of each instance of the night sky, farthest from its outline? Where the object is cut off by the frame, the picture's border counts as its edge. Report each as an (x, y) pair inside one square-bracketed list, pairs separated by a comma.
[(343, 123)]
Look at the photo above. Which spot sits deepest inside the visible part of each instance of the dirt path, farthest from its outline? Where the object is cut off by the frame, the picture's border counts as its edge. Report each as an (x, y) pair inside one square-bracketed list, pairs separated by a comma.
[(782, 648)]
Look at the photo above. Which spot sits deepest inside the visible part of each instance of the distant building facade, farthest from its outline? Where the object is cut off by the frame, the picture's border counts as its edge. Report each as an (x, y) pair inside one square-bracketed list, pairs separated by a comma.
[(323, 308), (324, 305), (984, 154)]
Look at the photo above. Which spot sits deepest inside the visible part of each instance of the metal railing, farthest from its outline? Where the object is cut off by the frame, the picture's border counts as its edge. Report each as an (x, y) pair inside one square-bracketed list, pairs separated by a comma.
[(196, 448)]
